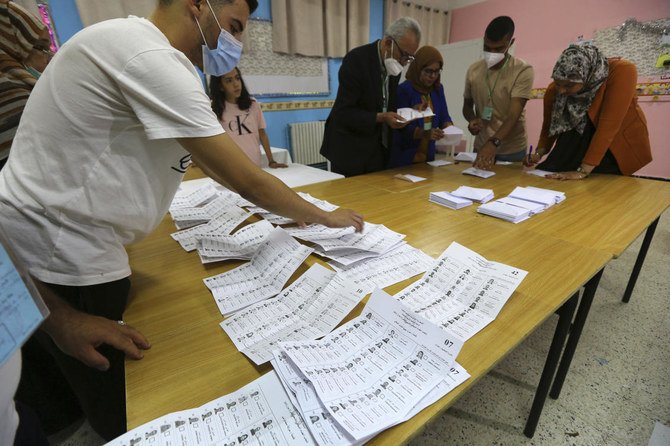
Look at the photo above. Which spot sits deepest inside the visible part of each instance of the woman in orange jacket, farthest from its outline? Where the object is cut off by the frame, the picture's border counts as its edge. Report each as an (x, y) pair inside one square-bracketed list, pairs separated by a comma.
[(592, 122)]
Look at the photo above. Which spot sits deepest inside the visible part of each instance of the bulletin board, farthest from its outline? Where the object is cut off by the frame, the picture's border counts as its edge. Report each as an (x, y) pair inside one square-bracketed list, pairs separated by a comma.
[(269, 74), (636, 44)]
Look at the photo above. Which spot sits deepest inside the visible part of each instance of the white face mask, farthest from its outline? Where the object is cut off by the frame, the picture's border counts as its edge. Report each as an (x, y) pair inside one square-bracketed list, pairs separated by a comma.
[(493, 59), (393, 67)]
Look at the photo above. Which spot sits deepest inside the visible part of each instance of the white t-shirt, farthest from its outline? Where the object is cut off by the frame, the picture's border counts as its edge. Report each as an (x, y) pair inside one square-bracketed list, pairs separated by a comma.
[(95, 163)]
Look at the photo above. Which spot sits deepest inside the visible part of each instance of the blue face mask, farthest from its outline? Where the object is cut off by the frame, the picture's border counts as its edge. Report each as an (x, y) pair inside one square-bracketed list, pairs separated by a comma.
[(35, 73), (225, 56)]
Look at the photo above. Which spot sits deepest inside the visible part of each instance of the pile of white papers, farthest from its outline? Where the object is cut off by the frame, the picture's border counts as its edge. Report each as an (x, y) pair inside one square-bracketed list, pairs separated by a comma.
[(195, 198), (373, 241), (522, 203), (463, 292), (481, 173), (451, 201), (474, 193), (308, 309), (389, 268), (468, 157), (192, 216), (240, 245), (408, 177), (221, 224), (438, 163), (279, 220), (371, 373), (452, 136), (409, 114), (260, 413), (264, 276)]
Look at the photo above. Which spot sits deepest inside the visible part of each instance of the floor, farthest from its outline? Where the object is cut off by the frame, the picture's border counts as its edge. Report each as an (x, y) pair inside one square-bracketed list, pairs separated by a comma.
[(617, 390)]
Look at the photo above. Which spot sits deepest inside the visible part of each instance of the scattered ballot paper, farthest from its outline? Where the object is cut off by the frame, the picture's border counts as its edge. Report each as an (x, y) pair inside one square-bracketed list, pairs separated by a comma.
[(452, 136), (468, 157), (478, 172), (438, 163), (408, 177), (410, 114), (474, 193), (539, 172), (451, 201)]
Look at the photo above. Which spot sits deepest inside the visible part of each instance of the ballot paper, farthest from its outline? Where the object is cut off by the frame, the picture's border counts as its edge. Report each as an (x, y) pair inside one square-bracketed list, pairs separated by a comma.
[(452, 136), (221, 224), (505, 211), (316, 232), (451, 201), (372, 371), (439, 163), (325, 430), (387, 269), (260, 413), (410, 114), (193, 216), (374, 238), (481, 173), (538, 172), (463, 292), (533, 208), (308, 309), (195, 198), (346, 257), (408, 177), (468, 157), (240, 245), (546, 197), (264, 276), (474, 193), (279, 220)]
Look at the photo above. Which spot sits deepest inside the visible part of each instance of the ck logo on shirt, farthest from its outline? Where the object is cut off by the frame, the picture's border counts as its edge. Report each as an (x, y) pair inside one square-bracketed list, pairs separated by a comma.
[(183, 163), (237, 125)]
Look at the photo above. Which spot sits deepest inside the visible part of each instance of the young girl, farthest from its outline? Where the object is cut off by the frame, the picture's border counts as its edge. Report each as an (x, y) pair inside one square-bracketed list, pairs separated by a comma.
[(240, 115)]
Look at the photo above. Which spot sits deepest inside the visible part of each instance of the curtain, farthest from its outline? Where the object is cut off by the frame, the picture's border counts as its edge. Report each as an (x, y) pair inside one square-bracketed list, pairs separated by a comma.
[(323, 28), (435, 23), (96, 11)]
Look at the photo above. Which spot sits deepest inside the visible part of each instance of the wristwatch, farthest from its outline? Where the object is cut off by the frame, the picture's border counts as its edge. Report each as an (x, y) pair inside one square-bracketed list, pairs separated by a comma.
[(495, 141), (580, 169)]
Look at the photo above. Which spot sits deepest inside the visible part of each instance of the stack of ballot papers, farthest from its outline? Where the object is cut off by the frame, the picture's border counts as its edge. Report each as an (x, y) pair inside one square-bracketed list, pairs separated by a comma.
[(188, 217), (241, 245), (222, 224), (546, 197), (481, 173), (279, 220), (260, 413), (504, 211), (373, 372), (308, 309), (264, 276), (397, 264), (346, 246), (449, 200), (474, 193), (462, 292), (409, 114), (468, 157), (522, 203)]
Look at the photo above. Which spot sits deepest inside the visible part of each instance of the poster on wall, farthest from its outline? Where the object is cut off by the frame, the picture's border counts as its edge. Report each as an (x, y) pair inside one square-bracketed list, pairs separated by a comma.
[(268, 74)]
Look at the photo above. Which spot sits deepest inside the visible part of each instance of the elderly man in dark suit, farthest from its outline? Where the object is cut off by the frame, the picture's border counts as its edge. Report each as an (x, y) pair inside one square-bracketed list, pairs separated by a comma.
[(358, 129)]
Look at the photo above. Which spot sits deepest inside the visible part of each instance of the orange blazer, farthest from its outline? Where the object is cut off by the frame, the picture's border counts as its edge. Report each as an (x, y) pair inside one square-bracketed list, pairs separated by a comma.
[(619, 121)]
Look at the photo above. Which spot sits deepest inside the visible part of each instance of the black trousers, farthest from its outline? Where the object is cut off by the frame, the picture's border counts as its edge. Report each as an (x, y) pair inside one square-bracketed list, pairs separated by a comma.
[(101, 395)]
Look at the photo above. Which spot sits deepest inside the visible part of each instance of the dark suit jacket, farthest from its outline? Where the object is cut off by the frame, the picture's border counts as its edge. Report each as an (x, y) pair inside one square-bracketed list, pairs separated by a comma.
[(352, 140)]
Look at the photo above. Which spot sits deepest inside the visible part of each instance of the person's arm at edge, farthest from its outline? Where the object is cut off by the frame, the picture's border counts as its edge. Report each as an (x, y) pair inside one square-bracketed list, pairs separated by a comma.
[(224, 162), (78, 334), (265, 142)]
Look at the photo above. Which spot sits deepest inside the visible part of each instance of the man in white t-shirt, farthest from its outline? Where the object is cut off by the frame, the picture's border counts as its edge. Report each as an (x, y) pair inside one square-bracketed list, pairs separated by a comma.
[(105, 139)]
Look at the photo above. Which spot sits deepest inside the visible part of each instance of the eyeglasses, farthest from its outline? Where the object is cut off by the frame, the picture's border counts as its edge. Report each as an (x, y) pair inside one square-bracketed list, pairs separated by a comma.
[(428, 72), (404, 55)]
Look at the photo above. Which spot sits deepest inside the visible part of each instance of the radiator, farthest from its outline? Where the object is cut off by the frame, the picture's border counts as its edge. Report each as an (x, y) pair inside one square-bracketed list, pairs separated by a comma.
[(306, 140)]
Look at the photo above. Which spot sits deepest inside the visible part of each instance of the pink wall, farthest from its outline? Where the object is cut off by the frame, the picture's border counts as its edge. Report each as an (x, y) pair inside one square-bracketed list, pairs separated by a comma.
[(544, 28)]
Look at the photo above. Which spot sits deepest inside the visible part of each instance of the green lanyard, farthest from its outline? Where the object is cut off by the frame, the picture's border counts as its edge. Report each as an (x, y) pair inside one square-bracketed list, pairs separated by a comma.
[(491, 90)]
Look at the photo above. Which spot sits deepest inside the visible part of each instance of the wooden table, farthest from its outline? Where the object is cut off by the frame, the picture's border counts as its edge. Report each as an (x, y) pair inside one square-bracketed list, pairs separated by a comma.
[(193, 361)]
